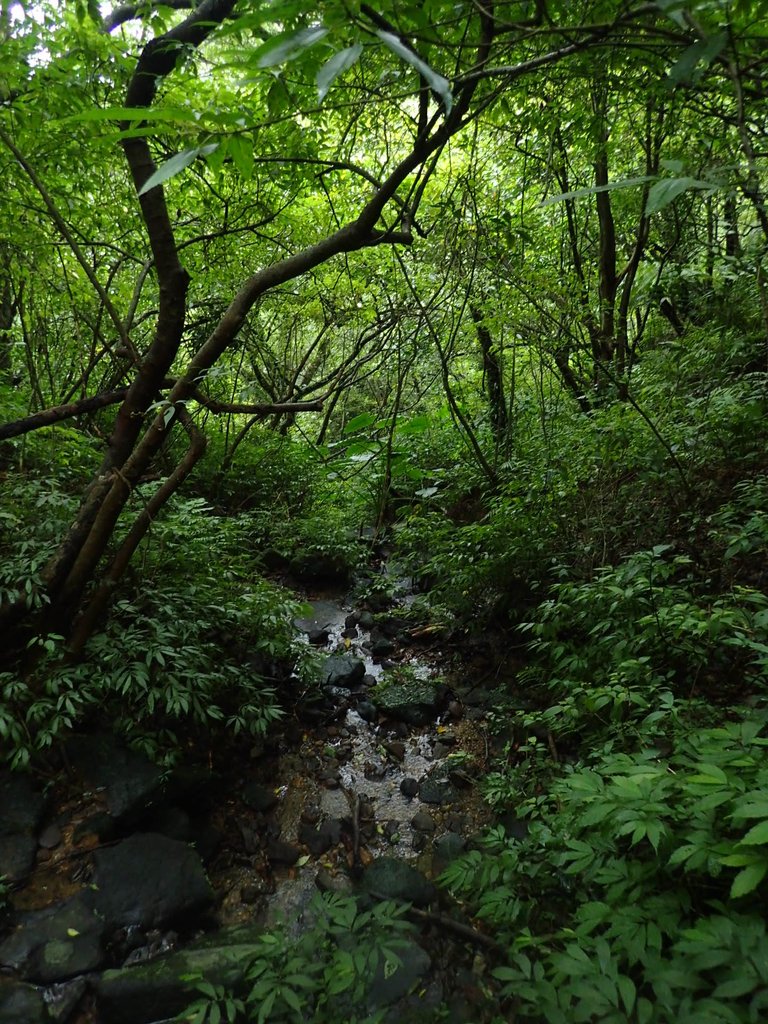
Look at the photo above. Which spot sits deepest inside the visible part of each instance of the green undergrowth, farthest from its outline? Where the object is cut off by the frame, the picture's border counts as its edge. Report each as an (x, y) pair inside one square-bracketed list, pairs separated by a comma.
[(197, 642)]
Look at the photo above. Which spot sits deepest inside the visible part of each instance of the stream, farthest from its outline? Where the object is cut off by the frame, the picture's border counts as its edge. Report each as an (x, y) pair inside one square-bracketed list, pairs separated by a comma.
[(381, 774), (128, 878)]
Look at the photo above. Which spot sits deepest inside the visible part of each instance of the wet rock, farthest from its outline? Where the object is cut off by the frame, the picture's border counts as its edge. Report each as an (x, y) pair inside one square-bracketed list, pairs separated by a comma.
[(414, 702), (365, 620), (156, 991), (386, 988), (351, 620), (344, 670), (21, 811), (311, 814), (369, 680), (349, 633), (280, 852), (252, 892), (434, 792), (133, 784), (456, 710), (320, 840), (260, 798), (326, 882), (446, 849), (367, 711), (440, 750), (409, 787), (396, 749), (150, 880), (21, 1003), (57, 943), (382, 648), (62, 998), (455, 822), (50, 837), (419, 842), (318, 637), (330, 778), (423, 822), (392, 879)]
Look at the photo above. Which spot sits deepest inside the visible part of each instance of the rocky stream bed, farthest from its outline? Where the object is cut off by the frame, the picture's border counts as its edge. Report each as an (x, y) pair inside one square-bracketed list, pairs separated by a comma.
[(125, 878)]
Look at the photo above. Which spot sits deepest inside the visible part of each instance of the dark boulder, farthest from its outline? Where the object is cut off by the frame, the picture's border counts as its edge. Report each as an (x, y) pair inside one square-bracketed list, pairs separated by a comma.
[(391, 879), (57, 943), (150, 880), (21, 812)]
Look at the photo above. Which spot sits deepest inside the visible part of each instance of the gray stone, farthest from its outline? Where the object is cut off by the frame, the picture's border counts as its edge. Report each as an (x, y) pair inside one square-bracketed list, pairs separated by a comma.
[(50, 837), (409, 787), (62, 998), (433, 792), (414, 702), (57, 943), (133, 783), (150, 880), (343, 670), (21, 811), (21, 1003), (367, 711), (318, 637), (391, 879), (423, 822)]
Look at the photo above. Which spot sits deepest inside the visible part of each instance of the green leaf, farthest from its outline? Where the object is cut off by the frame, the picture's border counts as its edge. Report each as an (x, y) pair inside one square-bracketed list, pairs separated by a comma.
[(758, 809), (580, 193), (748, 879), (667, 190), (628, 993), (286, 46), (337, 65), (757, 834), (365, 419), (175, 166), (240, 149), (436, 82), (703, 51)]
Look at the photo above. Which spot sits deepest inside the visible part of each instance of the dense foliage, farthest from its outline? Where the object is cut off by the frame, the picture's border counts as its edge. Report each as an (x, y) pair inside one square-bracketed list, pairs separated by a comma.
[(484, 282)]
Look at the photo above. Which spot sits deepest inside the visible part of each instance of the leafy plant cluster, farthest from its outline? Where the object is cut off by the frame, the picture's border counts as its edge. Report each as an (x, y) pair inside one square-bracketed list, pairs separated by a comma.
[(199, 642), (324, 975), (638, 893), (640, 765)]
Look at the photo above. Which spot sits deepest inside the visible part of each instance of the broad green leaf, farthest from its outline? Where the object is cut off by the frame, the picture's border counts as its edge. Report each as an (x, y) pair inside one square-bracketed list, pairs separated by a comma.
[(240, 148), (436, 82), (748, 879), (758, 809), (580, 193), (757, 834), (364, 419), (287, 46), (667, 190), (337, 65), (175, 166), (703, 51)]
